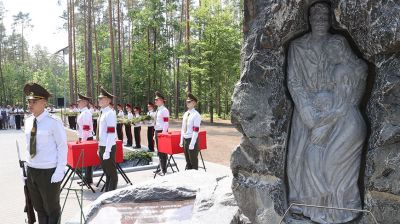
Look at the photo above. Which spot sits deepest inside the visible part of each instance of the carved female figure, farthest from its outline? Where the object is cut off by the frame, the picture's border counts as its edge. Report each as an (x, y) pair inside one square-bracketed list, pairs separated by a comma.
[(326, 81)]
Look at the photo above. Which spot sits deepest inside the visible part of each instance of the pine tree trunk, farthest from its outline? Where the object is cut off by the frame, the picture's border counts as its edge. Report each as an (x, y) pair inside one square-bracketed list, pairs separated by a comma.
[(187, 39), (177, 87), (89, 50), (97, 56), (119, 50), (71, 78), (110, 14), (74, 50), (147, 67), (155, 58)]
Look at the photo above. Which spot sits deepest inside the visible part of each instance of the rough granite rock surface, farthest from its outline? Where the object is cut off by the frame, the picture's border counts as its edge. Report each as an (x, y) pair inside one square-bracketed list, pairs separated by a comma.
[(214, 201), (262, 106)]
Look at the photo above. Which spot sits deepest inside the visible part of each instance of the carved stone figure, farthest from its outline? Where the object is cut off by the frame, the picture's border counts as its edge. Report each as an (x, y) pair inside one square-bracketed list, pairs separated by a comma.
[(326, 81)]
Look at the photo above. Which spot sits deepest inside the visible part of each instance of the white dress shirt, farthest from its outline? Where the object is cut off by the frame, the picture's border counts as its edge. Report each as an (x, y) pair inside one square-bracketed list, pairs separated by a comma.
[(85, 124), (107, 124), (162, 119), (152, 114), (138, 124), (121, 114), (191, 126), (129, 115), (51, 143)]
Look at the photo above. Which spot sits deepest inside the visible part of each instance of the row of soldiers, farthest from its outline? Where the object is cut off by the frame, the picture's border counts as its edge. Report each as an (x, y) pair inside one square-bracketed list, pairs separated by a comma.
[(47, 144)]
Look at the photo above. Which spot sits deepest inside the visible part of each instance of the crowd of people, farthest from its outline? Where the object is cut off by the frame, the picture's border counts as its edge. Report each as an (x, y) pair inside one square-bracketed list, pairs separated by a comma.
[(11, 117)]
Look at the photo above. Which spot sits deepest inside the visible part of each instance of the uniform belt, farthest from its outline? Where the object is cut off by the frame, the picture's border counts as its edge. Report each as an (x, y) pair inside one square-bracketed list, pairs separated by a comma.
[(36, 169)]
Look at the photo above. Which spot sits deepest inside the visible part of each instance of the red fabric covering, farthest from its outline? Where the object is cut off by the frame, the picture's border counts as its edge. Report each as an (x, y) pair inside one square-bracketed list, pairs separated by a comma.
[(169, 143), (166, 119), (196, 129), (86, 127), (110, 129)]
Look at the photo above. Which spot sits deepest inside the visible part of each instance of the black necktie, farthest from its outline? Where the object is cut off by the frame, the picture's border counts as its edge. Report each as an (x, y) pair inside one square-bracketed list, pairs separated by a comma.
[(32, 146)]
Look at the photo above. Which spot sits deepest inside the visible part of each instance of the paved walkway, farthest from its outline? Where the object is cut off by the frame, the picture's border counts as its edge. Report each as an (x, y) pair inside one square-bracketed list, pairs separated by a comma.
[(12, 200)]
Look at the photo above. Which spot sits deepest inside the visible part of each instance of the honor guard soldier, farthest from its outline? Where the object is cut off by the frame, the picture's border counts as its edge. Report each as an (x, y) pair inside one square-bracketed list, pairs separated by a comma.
[(137, 127), (119, 125), (128, 130), (107, 123), (85, 128), (161, 126), (47, 155), (150, 126), (190, 132)]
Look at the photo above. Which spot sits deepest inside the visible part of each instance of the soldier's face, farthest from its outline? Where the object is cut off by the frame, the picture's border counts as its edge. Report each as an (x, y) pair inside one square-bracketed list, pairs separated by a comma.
[(104, 102), (159, 102), (82, 104), (37, 106), (190, 104)]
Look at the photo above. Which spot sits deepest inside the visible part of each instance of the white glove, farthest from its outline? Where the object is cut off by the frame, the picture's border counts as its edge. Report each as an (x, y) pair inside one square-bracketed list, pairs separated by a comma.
[(106, 155), (191, 147), (181, 144), (23, 179), (57, 177)]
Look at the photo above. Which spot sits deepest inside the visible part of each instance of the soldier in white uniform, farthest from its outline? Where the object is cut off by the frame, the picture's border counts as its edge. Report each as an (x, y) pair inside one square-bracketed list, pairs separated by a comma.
[(190, 132), (85, 129), (150, 126), (161, 126), (128, 129), (137, 127), (47, 155), (19, 112), (119, 125), (107, 123)]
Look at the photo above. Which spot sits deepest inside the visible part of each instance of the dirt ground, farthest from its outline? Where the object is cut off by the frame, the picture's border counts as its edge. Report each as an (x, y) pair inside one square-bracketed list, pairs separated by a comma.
[(222, 139)]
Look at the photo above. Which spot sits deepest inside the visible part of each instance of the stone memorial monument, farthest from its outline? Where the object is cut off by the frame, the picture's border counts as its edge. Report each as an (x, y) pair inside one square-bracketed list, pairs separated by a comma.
[(318, 104)]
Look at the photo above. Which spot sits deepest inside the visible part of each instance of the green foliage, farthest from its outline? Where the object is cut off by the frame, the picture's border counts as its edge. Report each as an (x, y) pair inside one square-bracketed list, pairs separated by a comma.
[(140, 155), (152, 45)]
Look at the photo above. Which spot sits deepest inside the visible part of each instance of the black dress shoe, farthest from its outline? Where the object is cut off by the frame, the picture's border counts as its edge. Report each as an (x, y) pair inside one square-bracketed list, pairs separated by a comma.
[(127, 145), (137, 147)]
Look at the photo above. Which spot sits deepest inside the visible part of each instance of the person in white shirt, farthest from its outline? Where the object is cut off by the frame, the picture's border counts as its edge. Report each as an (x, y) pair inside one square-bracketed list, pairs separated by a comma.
[(11, 120), (72, 118), (119, 125), (19, 112), (161, 126), (190, 132), (137, 127), (94, 110), (128, 130), (46, 146), (107, 123), (85, 129), (150, 126)]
